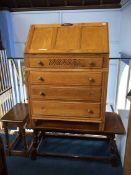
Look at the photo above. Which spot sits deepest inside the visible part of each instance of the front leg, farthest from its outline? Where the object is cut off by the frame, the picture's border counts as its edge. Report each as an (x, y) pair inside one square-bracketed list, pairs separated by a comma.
[(35, 144), (7, 140), (113, 148)]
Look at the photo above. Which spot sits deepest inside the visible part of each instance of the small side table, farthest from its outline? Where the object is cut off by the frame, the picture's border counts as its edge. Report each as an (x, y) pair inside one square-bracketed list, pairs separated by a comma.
[(16, 117)]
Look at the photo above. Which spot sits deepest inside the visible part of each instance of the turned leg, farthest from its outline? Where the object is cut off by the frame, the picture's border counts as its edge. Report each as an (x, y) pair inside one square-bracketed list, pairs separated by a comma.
[(113, 149), (20, 134), (24, 141), (35, 144), (7, 140)]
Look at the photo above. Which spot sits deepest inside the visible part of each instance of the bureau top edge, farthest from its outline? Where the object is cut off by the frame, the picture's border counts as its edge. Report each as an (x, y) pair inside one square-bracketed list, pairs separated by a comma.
[(68, 38)]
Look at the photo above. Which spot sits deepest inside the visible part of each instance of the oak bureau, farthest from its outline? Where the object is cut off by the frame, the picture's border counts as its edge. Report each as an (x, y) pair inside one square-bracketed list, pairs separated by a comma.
[(67, 73)]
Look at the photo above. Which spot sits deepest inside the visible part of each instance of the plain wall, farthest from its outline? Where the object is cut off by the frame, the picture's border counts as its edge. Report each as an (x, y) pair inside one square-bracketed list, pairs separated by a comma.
[(125, 39), (7, 32)]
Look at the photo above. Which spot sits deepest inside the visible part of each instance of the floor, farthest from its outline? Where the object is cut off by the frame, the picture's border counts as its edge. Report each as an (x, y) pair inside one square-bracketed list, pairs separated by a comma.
[(61, 166)]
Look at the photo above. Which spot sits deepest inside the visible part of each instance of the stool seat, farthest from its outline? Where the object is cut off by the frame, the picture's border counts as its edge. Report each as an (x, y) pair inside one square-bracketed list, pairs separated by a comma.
[(16, 117)]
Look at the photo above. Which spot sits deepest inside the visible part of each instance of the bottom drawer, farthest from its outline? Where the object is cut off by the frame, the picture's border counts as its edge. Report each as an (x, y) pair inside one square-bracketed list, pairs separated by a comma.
[(70, 110)]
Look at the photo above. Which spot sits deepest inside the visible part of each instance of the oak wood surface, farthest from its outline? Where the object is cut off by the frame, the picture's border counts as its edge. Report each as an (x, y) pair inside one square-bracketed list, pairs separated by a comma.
[(18, 114), (66, 62), (67, 72), (70, 93), (113, 124), (62, 108), (66, 78), (78, 37)]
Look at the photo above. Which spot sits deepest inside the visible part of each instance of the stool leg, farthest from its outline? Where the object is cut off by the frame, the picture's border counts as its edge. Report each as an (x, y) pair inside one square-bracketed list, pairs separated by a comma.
[(35, 144), (7, 141), (24, 141), (20, 134)]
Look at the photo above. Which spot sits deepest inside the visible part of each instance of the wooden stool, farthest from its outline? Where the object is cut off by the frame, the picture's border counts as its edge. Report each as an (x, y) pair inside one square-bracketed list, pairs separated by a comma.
[(16, 117)]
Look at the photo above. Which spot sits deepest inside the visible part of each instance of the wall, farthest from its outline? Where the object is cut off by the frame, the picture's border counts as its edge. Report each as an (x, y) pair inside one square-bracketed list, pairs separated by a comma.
[(125, 39), (22, 20), (7, 32)]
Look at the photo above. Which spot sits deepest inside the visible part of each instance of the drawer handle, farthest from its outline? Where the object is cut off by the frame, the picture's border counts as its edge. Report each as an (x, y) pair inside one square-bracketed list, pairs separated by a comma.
[(41, 63), (92, 64), (42, 93), (90, 111), (41, 78), (91, 79)]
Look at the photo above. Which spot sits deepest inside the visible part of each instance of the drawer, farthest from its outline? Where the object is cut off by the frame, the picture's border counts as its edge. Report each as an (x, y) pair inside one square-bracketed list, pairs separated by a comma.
[(81, 62), (65, 77), (70, 109), (66, 93)]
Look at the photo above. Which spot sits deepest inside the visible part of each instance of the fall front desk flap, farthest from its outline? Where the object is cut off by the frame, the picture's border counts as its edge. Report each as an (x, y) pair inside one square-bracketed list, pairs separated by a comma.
[(68, 38)]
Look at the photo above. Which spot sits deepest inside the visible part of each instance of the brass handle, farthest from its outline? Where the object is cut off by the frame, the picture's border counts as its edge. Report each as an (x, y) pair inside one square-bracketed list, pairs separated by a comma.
[(41, 63), (91, 79), (90, 111), (42, 93), (67, 24), (41, 78), (92, 64)]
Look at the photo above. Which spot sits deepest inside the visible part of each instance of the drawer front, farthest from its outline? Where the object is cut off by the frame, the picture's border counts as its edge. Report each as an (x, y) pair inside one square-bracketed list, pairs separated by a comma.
[(66, 93), (66, 78), (70, 109), (66, 62)]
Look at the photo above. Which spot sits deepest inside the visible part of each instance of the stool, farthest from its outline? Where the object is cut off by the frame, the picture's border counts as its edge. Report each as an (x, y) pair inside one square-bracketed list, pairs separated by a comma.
[(16, 117)]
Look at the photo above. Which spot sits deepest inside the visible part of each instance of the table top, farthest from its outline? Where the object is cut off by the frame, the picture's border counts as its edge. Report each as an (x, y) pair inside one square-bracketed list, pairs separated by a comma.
[(18, 114), (113, 125)]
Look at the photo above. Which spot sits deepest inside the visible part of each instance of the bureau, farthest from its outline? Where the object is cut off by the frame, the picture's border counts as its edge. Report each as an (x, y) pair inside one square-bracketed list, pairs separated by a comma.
[(66, 73)]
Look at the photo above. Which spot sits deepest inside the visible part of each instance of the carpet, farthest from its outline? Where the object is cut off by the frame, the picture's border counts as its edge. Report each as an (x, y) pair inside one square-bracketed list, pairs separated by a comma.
[(62, 166)]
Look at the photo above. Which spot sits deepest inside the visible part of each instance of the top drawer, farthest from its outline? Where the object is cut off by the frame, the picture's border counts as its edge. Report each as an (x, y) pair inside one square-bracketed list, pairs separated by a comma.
[(65, 62)]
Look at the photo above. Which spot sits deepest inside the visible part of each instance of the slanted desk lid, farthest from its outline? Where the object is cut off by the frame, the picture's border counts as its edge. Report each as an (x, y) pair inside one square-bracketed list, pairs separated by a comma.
[(68, 38)]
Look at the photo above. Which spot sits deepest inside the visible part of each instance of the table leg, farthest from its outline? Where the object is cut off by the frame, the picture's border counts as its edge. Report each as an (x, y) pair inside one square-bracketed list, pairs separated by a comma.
[(20, 134), (24, 141), (35, 144), (7, 141), (114, 152)]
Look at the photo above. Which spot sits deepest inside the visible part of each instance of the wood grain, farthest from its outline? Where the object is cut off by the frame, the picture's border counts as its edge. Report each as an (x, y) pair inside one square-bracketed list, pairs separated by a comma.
[(67, 72), (77, 38), (66, 78), (85, 93), (61, 108)]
